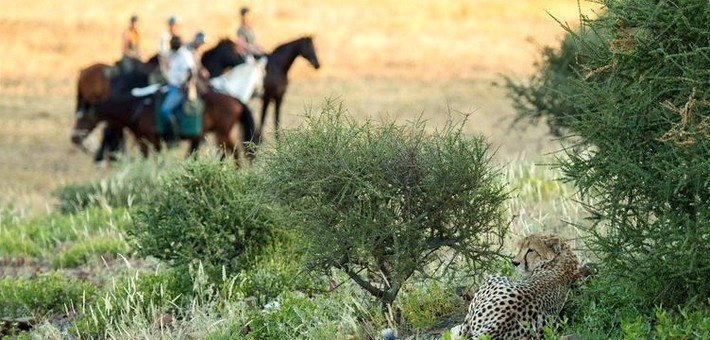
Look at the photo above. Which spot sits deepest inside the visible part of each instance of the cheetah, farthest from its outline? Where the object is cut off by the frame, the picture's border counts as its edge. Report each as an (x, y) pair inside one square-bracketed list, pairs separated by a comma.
[(508, 309)]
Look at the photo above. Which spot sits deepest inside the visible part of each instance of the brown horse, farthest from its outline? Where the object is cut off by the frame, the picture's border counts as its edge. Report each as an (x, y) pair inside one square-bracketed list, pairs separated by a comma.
[(94, 85), (221, 113)]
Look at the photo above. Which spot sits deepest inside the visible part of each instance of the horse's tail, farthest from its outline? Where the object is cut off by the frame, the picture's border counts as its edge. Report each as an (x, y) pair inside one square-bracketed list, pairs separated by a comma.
[(248, 125), (249, 129)]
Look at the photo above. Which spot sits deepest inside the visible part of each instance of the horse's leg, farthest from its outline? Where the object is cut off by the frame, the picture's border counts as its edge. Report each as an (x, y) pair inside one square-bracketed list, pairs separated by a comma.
[(277, 123), (194, 145), (143, 146), (115, 141), (248, 131), (264, 107), (79, 99), (225, 142)]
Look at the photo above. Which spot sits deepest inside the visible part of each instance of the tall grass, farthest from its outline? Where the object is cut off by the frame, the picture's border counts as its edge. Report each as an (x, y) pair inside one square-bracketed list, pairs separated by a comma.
[(132, 183), (541, 202)]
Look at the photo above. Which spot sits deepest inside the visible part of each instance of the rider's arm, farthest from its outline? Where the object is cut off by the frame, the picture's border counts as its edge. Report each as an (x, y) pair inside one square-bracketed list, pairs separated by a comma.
[(126, 43)]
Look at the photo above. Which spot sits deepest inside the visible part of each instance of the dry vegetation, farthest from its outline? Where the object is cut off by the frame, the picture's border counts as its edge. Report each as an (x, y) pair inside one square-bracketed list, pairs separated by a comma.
[(383, 58)]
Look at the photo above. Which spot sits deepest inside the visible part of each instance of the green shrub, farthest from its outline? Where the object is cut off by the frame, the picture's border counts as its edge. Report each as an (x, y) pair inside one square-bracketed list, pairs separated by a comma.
[(612, 308), (642, 113), (206, 211), (46, 294), (598, 308), (131, 184), (387, 200), (548, 94)]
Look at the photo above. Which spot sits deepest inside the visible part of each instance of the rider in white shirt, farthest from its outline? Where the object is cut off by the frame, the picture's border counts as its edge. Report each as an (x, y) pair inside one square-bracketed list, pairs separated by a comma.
[(164, 46), (180, 70)]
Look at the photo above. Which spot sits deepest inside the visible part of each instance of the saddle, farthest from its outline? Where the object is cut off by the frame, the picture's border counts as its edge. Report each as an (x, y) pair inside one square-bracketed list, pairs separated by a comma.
[(189, 116)]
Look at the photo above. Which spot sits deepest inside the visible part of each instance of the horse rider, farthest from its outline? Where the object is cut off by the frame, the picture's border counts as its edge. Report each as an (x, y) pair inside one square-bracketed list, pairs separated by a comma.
[(164, 47), (196, 43), (112, 137), (181, 66), (246, 39), (193, 46), (130, 40)]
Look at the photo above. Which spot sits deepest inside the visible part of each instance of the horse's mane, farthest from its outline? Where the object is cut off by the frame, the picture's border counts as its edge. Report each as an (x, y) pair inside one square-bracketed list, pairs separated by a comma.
[(284, 46), (153, 60), (225, 41)]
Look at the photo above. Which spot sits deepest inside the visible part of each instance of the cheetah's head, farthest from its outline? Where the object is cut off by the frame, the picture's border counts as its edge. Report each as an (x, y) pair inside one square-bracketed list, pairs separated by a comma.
[(536, 250)]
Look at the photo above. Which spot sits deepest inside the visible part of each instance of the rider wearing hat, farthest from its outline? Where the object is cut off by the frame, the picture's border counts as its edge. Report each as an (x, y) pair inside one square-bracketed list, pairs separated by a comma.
[(181, 67), (164, 47), (196, 43)]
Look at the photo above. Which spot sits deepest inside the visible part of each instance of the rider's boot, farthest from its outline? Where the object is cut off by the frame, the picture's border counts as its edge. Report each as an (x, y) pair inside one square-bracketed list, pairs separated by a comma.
[(172, 132)]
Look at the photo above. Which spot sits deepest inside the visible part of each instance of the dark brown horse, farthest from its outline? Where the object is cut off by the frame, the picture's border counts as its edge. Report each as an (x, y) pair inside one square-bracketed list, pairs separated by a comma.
[(276, 79), (221, 57), (221, 113), (96, 84)]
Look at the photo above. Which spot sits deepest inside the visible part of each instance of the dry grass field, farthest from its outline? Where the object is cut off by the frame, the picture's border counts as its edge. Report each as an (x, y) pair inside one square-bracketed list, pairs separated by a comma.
[(386, 58)]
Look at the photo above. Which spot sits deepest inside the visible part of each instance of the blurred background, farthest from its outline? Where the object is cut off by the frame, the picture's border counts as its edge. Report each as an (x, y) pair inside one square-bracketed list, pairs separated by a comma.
[(384, 59)]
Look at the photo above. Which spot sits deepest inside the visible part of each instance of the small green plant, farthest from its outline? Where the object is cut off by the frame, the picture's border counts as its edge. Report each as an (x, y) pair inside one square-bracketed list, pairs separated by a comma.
[(295, 315), (206, 212), (133, 183), (44, 235), (423, 305), (387, 201), (46, 294), (278, 271), (138, 296), (88, 250)]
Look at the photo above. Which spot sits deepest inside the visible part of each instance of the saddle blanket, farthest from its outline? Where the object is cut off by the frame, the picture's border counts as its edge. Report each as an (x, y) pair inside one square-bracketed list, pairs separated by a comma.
[(243, 80)]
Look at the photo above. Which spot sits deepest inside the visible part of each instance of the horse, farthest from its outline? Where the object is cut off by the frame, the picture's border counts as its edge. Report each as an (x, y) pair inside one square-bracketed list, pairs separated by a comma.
[(95, 85), (221, 113), (276, 79), (221, 57)]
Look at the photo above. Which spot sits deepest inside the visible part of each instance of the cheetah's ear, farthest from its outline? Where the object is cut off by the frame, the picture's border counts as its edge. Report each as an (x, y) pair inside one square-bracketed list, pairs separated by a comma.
[(554, 243)]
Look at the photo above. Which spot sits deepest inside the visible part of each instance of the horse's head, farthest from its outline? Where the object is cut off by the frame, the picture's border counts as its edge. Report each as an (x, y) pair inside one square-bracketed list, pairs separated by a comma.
[(222, 56), (226, 44), (308, 51), (85, 122), (152, 64)]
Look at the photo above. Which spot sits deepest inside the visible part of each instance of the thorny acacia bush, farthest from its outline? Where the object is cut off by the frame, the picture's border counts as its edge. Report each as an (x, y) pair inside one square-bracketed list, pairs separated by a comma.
[(641, 112), (206, 211), (548, 93), (385, 201)]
